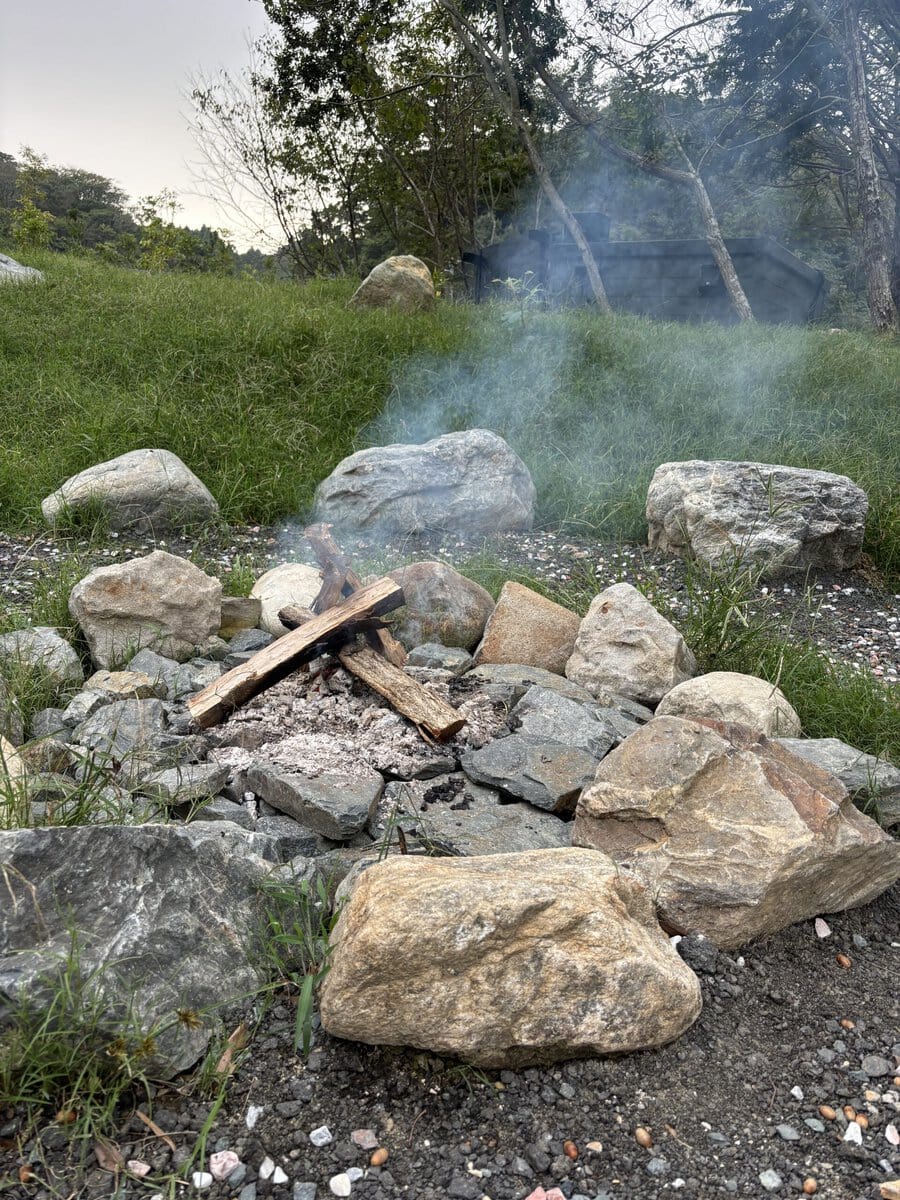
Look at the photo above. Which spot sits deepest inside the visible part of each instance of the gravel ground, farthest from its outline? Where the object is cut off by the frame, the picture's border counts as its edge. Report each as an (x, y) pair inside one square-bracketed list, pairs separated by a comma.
[(734, 1107)]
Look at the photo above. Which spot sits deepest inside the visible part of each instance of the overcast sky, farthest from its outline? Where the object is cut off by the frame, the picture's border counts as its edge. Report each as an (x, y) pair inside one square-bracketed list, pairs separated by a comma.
[(99, 84)]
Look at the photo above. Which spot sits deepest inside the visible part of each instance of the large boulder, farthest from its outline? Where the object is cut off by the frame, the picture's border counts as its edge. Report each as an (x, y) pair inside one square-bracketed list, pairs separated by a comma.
[(441, 606), (42, 649), (783, 518), (166, 919), (526, 627), (160, 602), (469, 482), (147, 490), (625, 646), (734, 698), (873, 783), (13, 272), (402, 282), (734, 836), (505, 960), (295, 584)]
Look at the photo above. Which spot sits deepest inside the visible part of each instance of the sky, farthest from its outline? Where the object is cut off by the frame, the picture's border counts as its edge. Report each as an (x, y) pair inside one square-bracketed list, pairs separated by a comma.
[(100, 84)]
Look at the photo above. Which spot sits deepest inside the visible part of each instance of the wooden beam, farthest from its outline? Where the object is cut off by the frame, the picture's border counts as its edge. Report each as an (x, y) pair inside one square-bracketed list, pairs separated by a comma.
[(287, 653), (404, 693)]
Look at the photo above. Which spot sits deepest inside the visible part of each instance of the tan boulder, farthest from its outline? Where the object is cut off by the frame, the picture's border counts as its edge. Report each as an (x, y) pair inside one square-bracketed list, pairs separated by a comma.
[(402, 282), (12, 766), (624, 645), (505, 960), (160, 602), (239, 612), (290, 583), (124, 685), (526, 627), (734, 698), (441, 606), (733, 835)]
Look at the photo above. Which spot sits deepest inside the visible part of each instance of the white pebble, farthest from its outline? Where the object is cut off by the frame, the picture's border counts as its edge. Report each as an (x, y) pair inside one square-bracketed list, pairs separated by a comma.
[(278, 1176), (266, 1168), (892, 1135), (823, 929), (201, 1180), (354, 1173), (321, 1136), (340, 1185), (254, 1112), (138, 1168), (853, 1133), (797, 1093)]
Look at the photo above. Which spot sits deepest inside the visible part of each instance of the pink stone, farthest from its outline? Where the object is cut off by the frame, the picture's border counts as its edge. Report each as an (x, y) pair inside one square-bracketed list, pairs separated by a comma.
[(223, 1163)]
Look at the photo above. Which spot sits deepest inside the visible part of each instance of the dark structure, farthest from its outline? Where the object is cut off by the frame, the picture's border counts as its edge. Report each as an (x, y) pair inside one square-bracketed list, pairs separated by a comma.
[(669, 280)]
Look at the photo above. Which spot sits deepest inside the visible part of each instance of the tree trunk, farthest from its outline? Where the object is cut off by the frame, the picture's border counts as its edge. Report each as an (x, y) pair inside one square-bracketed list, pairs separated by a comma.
[(875, 240), (716, 243)]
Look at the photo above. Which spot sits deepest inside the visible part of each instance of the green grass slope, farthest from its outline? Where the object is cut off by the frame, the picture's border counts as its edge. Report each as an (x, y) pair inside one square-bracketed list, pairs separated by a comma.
[(261, 387)]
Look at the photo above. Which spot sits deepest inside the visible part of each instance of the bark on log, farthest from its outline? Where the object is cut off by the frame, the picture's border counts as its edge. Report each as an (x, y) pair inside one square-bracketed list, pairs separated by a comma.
[(333, 562), (289, 652), (404, 693)]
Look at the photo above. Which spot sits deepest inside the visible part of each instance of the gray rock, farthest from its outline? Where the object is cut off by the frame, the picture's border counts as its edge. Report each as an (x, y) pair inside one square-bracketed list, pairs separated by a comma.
[(293, 839), (147, 490), (459, 817), (11, 724), (83, 705), (250, 639), (157, 667), (402, 282), (41, 648), (440, 658), (785, 518), (181, 785), (875, 1065), (221, 809), (872, 782), (122, 734), (508, 682), (167, 917), (465, 482), (770, 1180), (543, 713), (546, 773), (13, 272), (46, 723), (335, 805), (787, 1133), (160, 601)]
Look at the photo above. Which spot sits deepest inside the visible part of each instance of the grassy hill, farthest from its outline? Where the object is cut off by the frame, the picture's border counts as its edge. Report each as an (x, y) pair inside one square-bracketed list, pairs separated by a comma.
[(261, 387)]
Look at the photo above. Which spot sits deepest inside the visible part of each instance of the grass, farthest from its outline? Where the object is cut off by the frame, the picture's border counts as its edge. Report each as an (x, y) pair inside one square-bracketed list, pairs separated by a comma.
[(262, 387)]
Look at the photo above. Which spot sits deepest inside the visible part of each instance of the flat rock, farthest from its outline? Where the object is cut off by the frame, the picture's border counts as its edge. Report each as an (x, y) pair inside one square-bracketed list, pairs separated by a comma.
[(735, 836), (151, 491), (546, 773), (470, 957), (544, 713), (625, 645), (124, 685), (784, 518), (41, 648), (167, 917), (526, 627), (508, 682), (402, 283), (441, 606), (123, 734), (182, 785), (456, 816), (734, 698), (239, 612), (294, 584), (437, 657), (333, 803), (160, 602), (468, 482), (871, 781)]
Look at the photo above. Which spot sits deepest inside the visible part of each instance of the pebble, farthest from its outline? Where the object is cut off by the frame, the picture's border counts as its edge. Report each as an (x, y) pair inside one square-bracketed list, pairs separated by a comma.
[(380, 1157), (657, 1166), (223, 1163), (248, 1192), (874, 1064), (304, 1191), (354, 1173), (642, 1137), (266, 1168), (323, 1136), (201, 1180), (787, 1133), (770, 1180), (853, 1133), (254, 1112), (815, 1125), (797, 1093), (364, 1138), (340, 1185)]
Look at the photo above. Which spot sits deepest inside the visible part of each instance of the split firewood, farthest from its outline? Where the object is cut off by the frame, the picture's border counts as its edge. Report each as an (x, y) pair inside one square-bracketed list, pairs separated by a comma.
[(404, 693), (287, 653), (338, 574)]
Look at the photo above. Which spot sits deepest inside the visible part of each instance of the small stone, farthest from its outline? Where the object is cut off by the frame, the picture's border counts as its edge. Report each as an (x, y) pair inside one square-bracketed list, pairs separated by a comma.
[(815, 1125), (874, 1064), (254, 1112), (201, 1180), (893, 1135), (890, 1190), (853, 1133), (797, 1093), (138, 1168), (823, 929), (657, 1166), (787, 1133), (643, 1137), (278, 1176), (770, 1180), (847, 1024), (340, 1185), (570, 1150), (810, 1187), (364, 1138), (223, 1163), (594, 1147), (827, 1112), (321, 1136), (379, 1158), (842, 960), (355, 1173), (859, 941), (304, 1191)]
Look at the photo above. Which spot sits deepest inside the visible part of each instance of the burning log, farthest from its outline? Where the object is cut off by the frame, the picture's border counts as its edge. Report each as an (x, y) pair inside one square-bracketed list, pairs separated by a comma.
[(339, 579), (325, 631)]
